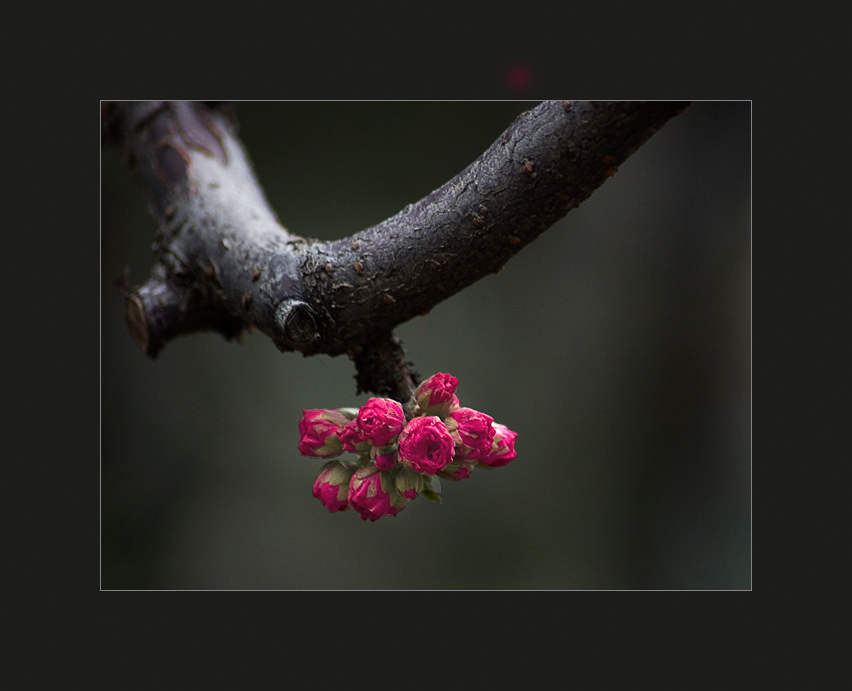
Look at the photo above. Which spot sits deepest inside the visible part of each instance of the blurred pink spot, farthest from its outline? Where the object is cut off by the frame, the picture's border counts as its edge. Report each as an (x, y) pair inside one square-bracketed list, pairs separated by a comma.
[(519, 77)]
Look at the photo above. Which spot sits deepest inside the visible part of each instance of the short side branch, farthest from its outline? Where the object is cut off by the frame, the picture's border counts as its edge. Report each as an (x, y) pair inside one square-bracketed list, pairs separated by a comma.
[(382, 367), (222, 261)]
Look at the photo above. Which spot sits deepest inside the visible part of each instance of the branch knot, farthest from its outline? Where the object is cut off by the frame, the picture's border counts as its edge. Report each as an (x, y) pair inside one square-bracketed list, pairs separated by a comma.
[(296, 321)]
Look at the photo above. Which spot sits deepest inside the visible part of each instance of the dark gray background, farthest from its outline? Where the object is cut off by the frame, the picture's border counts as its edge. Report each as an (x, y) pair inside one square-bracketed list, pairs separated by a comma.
[(618, 346)]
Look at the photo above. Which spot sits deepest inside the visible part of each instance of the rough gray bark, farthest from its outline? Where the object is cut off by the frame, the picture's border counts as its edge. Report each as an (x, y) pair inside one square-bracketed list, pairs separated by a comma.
[(224, 262)]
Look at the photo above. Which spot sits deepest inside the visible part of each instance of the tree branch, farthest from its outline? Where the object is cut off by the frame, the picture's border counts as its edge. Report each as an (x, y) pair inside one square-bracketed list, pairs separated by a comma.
[(223, 262)]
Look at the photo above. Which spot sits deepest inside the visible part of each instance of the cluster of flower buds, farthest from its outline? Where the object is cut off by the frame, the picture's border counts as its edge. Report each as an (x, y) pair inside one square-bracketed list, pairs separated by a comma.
[(397, 460)]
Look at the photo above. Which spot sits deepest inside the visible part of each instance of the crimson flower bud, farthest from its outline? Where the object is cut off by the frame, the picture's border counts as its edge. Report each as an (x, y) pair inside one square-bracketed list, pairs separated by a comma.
[(425, 445), (457, 470), (502, 448), (435, 396), (332, 486), (385, 457), (380, 420), (472, 432), (319, 433), (409, 483), (352, 440), (373, 494)]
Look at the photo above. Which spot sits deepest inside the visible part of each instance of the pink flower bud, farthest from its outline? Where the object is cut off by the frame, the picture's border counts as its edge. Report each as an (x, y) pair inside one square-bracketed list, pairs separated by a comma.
[(472, 431), (409, 483), (435, 396), (425, 445), (502, 448), (380, 420), (352, 440), (372, 493), (457, 470), (332, 486), (319, 432), (384, 457)]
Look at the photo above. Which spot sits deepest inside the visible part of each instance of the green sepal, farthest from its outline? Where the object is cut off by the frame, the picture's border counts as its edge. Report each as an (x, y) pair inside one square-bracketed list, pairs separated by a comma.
[(431, 488), (360, 462), (430, 495)]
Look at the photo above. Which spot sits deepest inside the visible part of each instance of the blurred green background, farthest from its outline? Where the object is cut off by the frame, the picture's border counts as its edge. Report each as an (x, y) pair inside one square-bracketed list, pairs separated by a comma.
[(618, 346)]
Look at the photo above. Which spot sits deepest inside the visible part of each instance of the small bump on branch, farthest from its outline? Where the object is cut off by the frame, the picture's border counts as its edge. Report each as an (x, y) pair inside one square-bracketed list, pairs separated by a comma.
[(296, 322)]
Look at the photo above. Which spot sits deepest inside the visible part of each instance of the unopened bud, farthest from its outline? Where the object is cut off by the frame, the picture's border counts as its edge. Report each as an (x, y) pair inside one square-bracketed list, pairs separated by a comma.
[(385, 457), (352, 440), (502, 448), (319, 433), (372, 494), (435, 396), (409, 483), (332, 486), (457, 470), (381, 420), (425, 445), (472, 432)]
